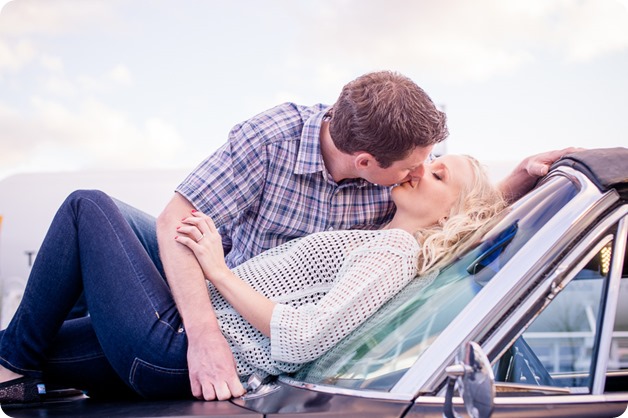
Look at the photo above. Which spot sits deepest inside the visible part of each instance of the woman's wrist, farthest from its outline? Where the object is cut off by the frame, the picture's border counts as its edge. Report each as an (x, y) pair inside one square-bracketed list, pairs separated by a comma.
[(219, 277)]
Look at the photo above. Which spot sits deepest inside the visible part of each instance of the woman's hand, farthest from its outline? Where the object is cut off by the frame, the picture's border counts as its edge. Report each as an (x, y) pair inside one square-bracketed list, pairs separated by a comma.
[(198, 233)]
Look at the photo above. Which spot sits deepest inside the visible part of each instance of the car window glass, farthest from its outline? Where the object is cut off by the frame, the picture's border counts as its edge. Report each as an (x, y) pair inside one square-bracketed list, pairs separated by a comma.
[(377, 354), (558, 347), (617, 370)]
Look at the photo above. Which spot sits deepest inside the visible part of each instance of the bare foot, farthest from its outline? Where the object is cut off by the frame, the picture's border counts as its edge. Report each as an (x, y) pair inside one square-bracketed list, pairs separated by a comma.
[(6, 375)]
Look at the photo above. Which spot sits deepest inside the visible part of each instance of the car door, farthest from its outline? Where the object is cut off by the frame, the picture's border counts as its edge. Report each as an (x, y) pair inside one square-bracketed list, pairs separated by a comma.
[(572, 357)]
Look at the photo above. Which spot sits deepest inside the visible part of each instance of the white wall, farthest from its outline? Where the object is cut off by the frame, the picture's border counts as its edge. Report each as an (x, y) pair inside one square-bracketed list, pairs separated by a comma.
[(29, 201)]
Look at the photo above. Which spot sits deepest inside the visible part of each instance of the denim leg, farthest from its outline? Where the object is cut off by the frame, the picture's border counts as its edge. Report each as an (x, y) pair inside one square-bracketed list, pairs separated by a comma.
[(91, 247), (145, 229), (76, 349)]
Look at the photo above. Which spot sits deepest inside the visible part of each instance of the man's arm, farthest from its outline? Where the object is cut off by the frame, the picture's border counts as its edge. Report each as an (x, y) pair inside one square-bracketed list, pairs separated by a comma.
[(210, 361), (525, 175)]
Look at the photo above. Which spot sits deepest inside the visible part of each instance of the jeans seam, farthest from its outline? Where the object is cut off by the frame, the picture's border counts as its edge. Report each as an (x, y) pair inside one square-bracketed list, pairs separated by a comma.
[(62, 360), (18, 369), (137, 363)]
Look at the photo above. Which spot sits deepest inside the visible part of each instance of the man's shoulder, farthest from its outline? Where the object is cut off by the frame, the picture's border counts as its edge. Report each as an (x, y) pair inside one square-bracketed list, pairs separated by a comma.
[(284, 122), (285, 113)]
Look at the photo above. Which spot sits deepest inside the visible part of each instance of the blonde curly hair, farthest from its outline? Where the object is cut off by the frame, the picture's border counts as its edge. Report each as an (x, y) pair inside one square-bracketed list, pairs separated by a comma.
[(478, 203)]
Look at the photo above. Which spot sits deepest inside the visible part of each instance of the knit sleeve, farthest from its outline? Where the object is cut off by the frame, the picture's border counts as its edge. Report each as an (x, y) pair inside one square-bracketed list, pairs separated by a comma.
[(370, 276)]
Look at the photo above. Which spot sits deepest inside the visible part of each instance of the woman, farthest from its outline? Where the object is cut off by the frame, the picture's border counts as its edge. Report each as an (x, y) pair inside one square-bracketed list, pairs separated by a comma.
[(278, 310)]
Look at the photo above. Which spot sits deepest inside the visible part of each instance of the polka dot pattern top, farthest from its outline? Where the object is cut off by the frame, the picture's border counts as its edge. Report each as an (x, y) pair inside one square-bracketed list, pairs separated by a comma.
[(325, 285)]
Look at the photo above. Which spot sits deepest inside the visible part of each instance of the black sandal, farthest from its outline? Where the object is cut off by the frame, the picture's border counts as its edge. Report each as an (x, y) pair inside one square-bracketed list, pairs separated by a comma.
[(23, 390)]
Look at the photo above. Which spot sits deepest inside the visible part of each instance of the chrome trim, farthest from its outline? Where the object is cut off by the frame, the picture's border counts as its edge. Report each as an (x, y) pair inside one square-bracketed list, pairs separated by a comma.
[(534, 400), (606, 333), (360, 393), (507, 287), (261, 391), (561, 399)]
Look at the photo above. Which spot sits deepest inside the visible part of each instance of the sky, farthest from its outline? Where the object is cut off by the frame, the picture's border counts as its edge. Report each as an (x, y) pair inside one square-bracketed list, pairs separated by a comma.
[(144, 85)]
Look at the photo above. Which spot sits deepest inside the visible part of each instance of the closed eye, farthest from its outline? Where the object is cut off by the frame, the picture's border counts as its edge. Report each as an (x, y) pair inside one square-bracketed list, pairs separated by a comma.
[(437, 176)]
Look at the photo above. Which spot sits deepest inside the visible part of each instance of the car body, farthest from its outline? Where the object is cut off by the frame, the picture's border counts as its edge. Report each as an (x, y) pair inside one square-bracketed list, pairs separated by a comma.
[(541, 295)]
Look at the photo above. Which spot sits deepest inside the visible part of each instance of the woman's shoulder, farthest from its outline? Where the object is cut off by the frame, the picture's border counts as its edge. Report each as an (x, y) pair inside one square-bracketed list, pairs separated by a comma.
[(396, 239)]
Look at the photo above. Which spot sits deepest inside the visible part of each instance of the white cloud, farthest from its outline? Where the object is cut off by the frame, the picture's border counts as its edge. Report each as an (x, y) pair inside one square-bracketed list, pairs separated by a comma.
[(121, 74), (14, 57), (461, 40), (50, 63), (21, 17), (59, 86), (105, 136), (593, 29), (91, 136)]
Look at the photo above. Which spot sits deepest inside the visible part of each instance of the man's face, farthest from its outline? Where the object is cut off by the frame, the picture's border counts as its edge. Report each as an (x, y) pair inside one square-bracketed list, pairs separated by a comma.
[(409, 169)]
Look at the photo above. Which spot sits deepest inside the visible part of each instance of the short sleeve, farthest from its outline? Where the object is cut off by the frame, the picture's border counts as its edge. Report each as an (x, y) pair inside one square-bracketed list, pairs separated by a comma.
[(231, 179)]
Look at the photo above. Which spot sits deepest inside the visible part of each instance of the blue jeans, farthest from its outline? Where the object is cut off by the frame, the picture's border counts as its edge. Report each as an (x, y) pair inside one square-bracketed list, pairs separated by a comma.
[(133, 336)]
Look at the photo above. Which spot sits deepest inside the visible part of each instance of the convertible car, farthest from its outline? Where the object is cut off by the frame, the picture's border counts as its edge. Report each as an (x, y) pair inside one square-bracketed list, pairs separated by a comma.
[(530, 322)]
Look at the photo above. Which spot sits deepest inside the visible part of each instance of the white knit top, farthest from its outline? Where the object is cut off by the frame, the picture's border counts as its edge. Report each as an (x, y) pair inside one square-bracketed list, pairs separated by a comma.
[(325, 285)]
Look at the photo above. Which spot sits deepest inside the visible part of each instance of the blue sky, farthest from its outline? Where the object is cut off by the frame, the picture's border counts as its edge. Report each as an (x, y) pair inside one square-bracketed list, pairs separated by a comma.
[(112, 84)]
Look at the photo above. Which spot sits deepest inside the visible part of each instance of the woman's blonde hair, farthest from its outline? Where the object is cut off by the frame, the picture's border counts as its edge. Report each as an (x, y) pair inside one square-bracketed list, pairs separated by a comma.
[(477, 204)]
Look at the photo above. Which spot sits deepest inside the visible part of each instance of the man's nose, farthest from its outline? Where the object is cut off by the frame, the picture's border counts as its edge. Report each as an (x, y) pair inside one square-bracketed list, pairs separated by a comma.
[(418, 172)]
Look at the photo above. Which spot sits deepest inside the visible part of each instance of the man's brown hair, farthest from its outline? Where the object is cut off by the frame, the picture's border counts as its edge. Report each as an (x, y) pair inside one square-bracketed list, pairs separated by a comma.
[(387, 115)]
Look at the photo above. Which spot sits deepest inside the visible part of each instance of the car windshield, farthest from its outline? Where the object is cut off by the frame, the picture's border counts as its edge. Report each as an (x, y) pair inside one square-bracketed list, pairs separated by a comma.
[(380, 351)]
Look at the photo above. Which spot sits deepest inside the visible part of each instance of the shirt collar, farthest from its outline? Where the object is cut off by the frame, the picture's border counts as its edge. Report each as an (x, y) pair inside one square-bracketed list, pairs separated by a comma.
[(310, 159)]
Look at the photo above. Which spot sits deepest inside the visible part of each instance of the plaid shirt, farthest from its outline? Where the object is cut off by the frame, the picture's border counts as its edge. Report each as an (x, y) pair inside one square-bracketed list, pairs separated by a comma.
[(268, 184)]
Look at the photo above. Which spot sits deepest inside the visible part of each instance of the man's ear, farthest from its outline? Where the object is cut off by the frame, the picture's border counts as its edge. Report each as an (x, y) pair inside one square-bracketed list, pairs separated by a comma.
[(363, 160)]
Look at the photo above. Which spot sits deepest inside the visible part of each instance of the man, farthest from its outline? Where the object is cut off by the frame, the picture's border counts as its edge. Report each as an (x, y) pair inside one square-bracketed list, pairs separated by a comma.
[(292, 171)]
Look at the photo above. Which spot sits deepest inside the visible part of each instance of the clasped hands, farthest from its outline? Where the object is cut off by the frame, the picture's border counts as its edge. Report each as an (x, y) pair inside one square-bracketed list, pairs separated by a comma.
[(198, 232)]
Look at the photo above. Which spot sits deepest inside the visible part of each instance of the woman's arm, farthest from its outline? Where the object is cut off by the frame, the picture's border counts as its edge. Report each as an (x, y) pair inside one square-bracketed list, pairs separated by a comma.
[(200, 235), (367, 279)]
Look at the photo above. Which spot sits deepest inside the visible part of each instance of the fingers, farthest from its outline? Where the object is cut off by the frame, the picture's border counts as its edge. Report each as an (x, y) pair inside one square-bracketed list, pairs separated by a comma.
[(220, 391), (203, 222), (236, 388), (539, 165), (192, 232), (538, 169), (197, 226)]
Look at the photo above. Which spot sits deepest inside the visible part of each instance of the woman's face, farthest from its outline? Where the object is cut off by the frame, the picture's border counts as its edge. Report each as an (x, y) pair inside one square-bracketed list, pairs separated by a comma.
[(432, 197)]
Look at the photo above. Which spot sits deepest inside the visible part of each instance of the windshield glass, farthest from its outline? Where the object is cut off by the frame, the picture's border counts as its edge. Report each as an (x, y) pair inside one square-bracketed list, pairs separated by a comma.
[(377, 354)]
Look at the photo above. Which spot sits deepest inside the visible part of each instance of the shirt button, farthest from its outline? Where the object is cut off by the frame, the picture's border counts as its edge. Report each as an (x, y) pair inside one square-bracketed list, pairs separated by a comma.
[(331, 228)]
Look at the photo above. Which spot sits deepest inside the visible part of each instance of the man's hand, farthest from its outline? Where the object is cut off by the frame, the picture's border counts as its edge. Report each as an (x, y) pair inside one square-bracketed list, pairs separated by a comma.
[(212, 368), (525, 175), (538, 165)]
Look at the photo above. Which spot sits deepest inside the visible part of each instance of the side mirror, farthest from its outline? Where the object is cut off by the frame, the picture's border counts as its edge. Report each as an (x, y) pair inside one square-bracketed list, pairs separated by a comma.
[(476, 383)]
